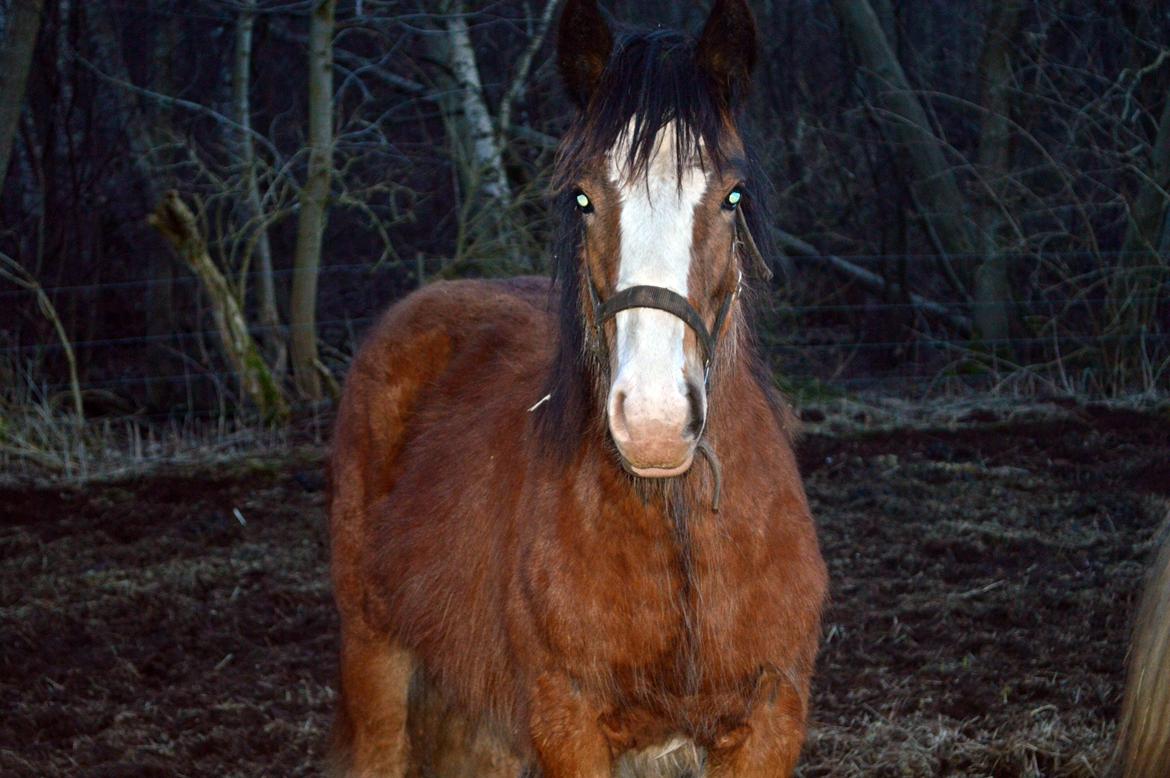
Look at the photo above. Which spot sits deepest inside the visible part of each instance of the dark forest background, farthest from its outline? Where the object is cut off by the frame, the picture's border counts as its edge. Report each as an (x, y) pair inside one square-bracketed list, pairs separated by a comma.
[(205, 202)]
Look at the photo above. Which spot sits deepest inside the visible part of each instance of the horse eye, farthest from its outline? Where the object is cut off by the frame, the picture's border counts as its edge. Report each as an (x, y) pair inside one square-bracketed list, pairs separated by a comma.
[(734, 199), (584, 204)]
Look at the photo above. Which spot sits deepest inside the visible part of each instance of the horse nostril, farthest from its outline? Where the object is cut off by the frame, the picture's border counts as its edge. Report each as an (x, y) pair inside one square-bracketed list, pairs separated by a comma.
[(698, 417), (617, 417)]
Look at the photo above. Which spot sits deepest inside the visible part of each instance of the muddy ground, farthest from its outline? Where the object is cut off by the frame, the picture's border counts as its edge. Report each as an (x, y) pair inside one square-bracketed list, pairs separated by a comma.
[(984, 578)]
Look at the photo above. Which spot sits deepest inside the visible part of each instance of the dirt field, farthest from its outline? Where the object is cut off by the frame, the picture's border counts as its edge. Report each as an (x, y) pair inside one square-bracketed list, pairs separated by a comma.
[(983, 581)]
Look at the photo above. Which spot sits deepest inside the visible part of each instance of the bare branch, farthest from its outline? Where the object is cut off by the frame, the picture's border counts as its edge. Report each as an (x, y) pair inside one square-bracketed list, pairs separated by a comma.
[(519, 82)]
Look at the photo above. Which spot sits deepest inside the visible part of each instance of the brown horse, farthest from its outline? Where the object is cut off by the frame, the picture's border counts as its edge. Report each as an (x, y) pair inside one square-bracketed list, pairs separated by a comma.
[(574, 542)]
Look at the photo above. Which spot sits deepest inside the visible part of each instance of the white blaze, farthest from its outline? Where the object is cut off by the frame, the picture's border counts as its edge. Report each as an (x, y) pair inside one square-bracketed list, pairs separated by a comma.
[(649, 404)]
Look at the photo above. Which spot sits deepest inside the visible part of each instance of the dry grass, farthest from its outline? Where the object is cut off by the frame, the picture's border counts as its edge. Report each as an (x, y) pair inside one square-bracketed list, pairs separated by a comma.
[(1041, 743), (38, 440)]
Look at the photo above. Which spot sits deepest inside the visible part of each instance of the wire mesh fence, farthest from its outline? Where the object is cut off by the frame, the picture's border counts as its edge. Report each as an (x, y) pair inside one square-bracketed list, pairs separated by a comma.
[(823, 342)]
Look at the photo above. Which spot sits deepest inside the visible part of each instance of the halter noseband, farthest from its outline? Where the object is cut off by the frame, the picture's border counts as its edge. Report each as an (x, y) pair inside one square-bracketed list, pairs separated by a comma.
[(662, 299)]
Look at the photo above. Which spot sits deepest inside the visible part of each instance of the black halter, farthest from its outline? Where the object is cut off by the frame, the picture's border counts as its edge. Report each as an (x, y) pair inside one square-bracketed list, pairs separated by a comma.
[(675, 304), (664, 300)]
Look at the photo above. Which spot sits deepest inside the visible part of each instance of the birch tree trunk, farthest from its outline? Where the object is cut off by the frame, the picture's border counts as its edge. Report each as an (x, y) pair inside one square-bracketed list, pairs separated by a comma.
[(274, 344), (487, 156), (314, 203), (935, 189), (477, 147), (24, 22), (523, 66), (993, 312)]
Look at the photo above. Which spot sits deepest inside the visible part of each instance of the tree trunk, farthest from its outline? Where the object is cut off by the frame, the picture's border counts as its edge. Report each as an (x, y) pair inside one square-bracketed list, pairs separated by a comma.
[(147, 123), (487, 156), (314, 203), (252, 210), (993, 312), (884, 10), (141, 123), (477, 148), (24, 22), (935, 189), (174, 220), (520, 73)]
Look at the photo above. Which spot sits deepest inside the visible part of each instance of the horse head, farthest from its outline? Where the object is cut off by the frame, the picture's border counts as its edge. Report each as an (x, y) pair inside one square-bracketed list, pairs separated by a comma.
[(653, 179)]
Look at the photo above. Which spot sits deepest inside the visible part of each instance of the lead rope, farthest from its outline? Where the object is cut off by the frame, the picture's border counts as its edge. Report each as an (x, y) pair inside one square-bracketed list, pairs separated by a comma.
[(761, 267), (704, 448)]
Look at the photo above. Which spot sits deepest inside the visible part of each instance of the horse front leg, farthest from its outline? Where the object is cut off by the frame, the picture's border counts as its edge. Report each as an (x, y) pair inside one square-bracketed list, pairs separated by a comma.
[(768, 746), (370, 738), (566, 732)]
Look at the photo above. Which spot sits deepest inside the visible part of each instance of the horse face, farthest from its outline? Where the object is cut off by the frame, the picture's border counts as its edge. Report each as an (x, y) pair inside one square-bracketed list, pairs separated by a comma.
[(671, 226), (658, 214)]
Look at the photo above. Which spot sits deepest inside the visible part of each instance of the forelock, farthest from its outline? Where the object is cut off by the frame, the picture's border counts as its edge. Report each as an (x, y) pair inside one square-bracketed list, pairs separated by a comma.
[(652, 83)]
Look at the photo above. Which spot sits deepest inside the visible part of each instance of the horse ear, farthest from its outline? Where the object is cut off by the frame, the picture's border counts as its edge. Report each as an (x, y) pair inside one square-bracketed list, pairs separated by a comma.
[(727, 48), (584, 43)]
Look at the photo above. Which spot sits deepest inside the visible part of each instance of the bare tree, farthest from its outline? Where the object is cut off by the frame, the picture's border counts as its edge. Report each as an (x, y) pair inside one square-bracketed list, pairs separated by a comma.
[(487, 159), (524, 67), (144, 127), (476, 148), (314, 202), (24, 22), (175, 221), (960, 224), (478, 137), (935, 189), (260, 248), (993, 292), (1148, 234)]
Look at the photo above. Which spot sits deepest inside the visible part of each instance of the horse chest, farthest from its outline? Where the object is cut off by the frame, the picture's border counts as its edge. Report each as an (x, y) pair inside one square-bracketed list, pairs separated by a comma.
[(643, 605), (610, 602)]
